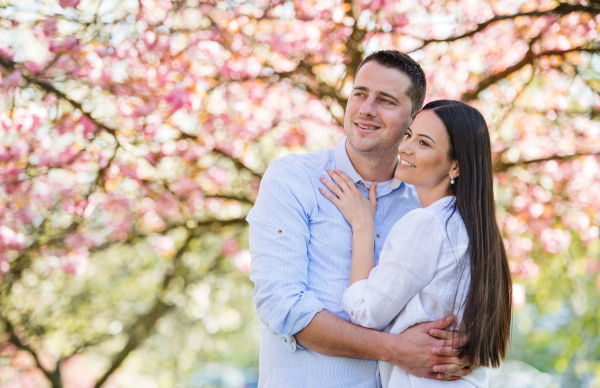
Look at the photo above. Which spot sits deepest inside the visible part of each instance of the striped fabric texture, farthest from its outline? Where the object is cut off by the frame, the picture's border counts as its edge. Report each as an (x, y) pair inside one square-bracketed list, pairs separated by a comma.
[(300, 246)]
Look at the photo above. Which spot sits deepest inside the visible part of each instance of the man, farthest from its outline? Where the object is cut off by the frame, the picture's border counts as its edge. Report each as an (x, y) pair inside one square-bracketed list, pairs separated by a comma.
[(301, 246)]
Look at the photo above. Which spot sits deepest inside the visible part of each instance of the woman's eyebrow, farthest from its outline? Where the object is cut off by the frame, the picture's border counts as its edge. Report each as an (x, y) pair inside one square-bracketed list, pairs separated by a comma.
[(429, 137)]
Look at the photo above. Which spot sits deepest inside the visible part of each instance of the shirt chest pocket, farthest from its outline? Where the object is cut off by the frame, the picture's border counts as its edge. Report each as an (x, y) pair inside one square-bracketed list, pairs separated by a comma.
[(329, 231)]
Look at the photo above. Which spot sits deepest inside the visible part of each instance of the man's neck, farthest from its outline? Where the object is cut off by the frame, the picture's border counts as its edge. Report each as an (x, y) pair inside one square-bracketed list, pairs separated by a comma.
[(380, 168)]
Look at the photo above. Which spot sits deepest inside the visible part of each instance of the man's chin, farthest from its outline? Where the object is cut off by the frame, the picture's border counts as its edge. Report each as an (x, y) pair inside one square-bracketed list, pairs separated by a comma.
[(367, 147)]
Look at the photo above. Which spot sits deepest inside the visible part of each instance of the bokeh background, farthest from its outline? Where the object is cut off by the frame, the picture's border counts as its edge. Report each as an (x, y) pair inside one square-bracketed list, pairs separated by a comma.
[(134, 134)]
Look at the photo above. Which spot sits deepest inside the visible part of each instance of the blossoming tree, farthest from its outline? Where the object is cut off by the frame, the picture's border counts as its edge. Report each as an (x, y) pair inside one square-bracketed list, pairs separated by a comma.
[(133, 137)]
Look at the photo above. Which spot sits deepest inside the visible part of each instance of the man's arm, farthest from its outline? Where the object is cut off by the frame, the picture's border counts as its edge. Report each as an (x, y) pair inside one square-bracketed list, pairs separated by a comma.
[(279, 235), (414, 350)]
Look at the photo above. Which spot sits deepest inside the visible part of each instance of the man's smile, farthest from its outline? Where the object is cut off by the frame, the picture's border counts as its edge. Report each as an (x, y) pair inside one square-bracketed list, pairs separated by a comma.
[(363, 127)]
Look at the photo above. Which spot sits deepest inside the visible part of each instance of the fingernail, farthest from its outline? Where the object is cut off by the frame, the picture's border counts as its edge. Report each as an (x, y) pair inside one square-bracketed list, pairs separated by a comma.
[(436, 369), (436, 351), (321, 178), (434, 332)]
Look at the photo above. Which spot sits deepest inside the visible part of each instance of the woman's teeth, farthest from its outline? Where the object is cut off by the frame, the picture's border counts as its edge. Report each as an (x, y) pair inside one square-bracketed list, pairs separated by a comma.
[(404, 162)]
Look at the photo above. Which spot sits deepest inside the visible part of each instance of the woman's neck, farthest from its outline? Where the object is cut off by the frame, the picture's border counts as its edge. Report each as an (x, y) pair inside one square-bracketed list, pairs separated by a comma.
[(429, 195)]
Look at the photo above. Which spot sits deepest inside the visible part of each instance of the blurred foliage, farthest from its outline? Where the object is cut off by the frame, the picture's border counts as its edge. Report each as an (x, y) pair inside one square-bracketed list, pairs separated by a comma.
[(133, 136)]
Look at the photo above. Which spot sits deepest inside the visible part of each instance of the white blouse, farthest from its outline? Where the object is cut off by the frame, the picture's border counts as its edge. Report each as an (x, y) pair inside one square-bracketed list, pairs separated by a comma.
[(423, 275)]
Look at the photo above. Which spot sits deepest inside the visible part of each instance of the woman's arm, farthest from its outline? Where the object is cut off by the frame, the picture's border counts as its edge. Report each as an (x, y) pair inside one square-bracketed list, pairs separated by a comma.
[(359, 212), (407, 262)]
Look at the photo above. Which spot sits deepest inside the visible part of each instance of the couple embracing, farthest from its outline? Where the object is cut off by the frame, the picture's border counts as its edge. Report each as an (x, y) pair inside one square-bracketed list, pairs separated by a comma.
[(379, 262)]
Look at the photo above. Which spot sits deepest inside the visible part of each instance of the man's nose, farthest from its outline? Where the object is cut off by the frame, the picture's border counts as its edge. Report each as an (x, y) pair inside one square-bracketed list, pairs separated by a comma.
[(368, 108)]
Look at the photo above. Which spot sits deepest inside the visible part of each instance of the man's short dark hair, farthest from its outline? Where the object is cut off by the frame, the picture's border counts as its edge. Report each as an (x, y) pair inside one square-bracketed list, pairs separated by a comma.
[(394, 59)]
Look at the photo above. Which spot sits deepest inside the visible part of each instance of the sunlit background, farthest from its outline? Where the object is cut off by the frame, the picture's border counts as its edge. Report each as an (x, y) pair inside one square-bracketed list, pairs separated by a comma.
[(134, 134)]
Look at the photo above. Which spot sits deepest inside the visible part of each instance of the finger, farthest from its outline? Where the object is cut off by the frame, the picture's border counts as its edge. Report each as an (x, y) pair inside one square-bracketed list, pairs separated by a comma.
[(456, 375), (445, 377), (441, 324), (331, 186), (446, 351), (451, 338), (448, 368), (329, 196), (339, 181), (346, 178), (446, 335), (373, 193)]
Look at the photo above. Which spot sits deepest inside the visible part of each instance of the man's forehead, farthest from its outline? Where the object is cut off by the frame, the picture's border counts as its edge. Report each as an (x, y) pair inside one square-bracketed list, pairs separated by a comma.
[(373, 77)]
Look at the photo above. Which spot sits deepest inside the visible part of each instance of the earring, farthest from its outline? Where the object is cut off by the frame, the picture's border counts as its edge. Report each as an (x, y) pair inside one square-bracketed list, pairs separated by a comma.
[(451, 179)]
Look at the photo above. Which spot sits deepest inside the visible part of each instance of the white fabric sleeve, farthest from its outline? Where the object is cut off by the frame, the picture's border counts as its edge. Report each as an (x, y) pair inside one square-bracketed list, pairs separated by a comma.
[(407, 263)]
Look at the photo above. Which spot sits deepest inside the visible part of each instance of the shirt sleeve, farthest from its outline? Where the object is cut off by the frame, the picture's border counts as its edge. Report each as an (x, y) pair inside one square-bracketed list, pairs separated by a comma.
[(279, 235), (407, 263)]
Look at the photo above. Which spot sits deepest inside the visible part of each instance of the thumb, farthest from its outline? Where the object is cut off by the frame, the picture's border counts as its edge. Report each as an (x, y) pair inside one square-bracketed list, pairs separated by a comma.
[(373, 193)]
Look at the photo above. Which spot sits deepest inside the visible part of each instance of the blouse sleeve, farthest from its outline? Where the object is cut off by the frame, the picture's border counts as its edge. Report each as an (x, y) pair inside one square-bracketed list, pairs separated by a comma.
[(407, 263)]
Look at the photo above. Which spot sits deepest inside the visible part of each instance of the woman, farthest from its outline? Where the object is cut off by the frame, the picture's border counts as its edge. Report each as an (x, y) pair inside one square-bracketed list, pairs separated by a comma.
[(447, 257)]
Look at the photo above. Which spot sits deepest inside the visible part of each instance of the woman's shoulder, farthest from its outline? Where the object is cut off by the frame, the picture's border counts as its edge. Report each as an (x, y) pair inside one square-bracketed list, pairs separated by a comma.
[(440, 217)]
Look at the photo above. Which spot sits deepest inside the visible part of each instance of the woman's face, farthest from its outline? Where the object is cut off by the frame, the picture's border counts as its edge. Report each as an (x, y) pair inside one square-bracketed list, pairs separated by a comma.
[(424, 153)]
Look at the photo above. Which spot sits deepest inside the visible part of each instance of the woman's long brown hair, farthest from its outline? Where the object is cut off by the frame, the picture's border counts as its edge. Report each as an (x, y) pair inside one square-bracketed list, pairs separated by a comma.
[(487, 310)]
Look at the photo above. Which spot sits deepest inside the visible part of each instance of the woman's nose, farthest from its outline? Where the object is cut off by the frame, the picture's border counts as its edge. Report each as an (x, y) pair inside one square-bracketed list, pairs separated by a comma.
[(405, 147)]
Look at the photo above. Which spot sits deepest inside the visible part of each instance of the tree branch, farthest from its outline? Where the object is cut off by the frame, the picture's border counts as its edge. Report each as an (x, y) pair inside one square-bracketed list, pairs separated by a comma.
[(562, 9), (527, 60), (54, 376), (500, 166)]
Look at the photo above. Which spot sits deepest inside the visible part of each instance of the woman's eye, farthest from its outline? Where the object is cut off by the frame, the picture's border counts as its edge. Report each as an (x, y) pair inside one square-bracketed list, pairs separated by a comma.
[(407, 134), (424, 143)]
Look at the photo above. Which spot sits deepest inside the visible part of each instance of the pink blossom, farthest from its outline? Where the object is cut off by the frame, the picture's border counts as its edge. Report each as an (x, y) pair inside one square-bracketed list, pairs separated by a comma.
[(68, 3), (229, 247), (12, 80), (76, 261), (184, 186), (177, 98), (556, 240), (242, 261), (164, 245), (49, 26)]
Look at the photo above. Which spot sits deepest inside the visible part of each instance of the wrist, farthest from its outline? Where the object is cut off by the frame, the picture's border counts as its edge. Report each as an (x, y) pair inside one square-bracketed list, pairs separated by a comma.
[(363, 226), (383, 347)]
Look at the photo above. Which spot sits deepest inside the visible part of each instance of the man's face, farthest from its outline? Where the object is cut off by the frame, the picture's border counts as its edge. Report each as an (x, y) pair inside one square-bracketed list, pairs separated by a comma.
[(378, 111)]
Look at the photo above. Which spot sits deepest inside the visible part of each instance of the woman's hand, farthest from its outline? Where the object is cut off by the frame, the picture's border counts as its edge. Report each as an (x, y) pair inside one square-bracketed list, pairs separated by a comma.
[(356, 209)]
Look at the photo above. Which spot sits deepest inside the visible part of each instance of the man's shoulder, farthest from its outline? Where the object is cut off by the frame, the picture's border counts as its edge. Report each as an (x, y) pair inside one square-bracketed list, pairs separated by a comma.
[(303, 164)]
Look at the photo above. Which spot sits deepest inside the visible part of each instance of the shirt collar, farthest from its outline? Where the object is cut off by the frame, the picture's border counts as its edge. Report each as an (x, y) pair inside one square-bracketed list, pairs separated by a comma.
[(342, 161)]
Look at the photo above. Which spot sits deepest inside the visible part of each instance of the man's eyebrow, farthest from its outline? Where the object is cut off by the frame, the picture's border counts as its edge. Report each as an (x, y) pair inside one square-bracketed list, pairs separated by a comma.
[(388, 95)]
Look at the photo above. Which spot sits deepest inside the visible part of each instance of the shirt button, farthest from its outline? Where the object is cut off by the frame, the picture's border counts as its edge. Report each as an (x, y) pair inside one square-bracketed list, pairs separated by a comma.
[(279, 231), (378, 236), (285, 341), (352, 313), (362, 183)]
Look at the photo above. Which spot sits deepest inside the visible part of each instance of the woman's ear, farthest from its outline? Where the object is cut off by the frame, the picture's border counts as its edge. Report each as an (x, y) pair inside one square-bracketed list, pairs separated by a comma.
[(454, 169)]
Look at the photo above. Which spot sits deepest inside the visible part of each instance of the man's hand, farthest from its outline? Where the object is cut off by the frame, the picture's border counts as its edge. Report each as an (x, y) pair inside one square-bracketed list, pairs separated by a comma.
[(427, 350)]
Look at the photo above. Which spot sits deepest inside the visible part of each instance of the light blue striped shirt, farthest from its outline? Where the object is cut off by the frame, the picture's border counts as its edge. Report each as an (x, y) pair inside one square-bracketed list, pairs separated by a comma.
[(301, 248)]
